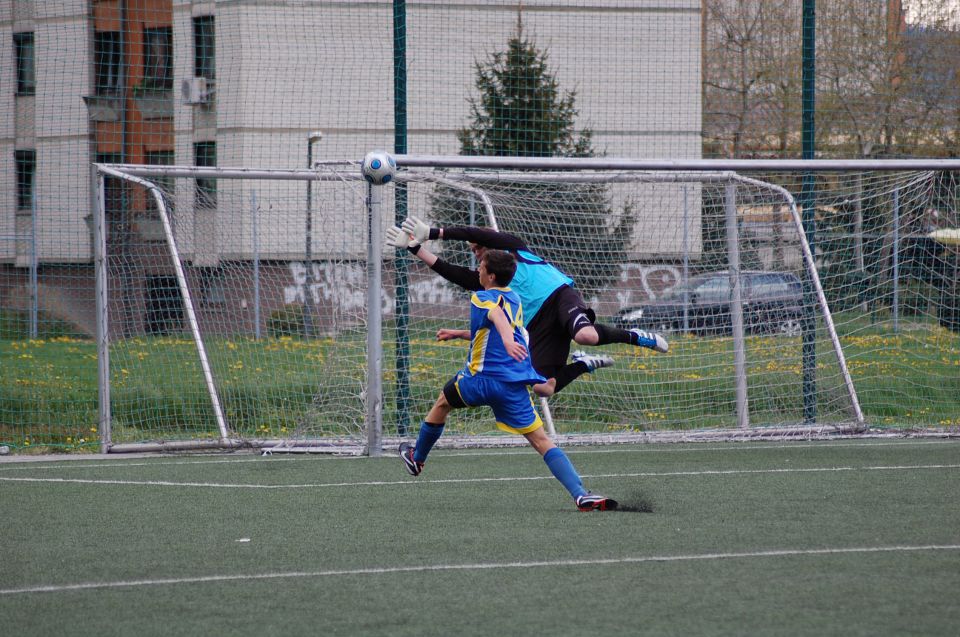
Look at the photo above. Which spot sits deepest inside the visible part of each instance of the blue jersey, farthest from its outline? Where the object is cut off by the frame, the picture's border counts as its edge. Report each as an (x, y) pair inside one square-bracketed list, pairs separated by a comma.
[(488, 356), (536, 279)]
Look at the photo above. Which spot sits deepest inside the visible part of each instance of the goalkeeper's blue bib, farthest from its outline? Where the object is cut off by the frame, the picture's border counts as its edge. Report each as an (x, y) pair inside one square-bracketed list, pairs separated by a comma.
[(536, 279)]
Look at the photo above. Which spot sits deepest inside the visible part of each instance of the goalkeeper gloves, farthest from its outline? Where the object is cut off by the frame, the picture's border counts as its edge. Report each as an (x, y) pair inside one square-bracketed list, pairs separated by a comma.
[(416, 227), (400, 239)]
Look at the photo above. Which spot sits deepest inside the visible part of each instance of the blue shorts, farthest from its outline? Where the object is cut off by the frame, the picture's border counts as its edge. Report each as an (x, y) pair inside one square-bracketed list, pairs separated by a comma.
[(511, 403)]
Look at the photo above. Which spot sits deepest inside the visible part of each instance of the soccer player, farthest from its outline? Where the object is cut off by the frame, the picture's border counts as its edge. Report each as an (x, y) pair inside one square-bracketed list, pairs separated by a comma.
[(497, 373), (555, 310)]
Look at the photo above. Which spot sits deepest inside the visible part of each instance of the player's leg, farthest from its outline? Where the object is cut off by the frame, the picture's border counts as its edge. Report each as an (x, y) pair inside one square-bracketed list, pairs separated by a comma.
[(563, 470), (559, 376), (548, 371), (581, 324), (515, 413), (549, 348), (414, 456), (603, 334)]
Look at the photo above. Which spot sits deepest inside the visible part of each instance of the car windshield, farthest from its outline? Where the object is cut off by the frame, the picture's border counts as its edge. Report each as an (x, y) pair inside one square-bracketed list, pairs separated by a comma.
[(676, 293), (706, 288)]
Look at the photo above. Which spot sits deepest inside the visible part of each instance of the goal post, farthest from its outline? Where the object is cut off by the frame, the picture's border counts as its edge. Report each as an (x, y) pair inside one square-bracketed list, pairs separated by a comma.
[(204, 341), (728, 182), (203, 279), (880, 210)]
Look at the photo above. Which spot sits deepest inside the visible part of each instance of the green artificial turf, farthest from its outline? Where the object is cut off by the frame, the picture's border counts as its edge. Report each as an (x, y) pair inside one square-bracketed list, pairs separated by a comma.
[(794, 539)]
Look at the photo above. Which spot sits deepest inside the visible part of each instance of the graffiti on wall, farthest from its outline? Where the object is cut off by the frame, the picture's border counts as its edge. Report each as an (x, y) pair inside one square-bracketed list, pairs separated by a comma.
[(345, 285)]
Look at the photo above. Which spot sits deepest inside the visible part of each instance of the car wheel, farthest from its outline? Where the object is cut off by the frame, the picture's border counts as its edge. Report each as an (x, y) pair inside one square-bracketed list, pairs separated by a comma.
[(789, 327)]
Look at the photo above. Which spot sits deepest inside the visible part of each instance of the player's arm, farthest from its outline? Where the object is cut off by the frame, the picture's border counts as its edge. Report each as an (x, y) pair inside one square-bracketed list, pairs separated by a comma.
[(481, 236), (485, 237), (499, 319), (458, 275), (444, 334)]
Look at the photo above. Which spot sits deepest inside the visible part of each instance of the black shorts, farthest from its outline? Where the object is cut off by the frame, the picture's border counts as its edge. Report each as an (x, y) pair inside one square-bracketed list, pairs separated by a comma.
[(561, 316)]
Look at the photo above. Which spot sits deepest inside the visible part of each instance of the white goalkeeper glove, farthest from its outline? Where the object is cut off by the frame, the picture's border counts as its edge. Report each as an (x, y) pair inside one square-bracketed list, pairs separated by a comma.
[(417, 227), (400, 239)]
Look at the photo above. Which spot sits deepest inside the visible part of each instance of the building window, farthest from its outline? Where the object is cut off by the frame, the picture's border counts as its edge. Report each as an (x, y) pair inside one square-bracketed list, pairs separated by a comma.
[(158, 58), (26, 64), (164, 305), (108, 57), (204, 55), (26, 161), (212, 287), (205, 154)]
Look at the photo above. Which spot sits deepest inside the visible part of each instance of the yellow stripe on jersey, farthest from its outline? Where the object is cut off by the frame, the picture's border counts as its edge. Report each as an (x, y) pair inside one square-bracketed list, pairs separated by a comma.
[(477, 352), (515, 321), (486, 305)]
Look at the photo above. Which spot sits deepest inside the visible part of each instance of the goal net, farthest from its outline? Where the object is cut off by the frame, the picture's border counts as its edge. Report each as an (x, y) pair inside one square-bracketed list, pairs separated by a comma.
[(237, 309)]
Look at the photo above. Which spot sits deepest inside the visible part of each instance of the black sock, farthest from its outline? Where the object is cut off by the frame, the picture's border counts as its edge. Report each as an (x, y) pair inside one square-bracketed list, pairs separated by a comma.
[(610, 334), (568, 373)]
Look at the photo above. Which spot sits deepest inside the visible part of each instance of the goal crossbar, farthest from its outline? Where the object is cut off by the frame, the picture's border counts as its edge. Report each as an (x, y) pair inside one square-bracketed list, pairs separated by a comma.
[(691, 165)]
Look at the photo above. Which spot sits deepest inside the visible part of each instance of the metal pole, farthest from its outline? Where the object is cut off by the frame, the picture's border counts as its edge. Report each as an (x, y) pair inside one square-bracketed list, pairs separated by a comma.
[(256, 266), (806, 201), (817, 288), (686, 262), (736, 305), (103, 334), (896, 260), (374, 411), (185, 293), (401, 298), (308, 243), (34, 282), (472, 206)]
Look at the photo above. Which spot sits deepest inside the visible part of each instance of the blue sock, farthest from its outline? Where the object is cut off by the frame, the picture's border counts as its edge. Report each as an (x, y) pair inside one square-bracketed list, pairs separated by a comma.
[(562, 469), (429, 434)]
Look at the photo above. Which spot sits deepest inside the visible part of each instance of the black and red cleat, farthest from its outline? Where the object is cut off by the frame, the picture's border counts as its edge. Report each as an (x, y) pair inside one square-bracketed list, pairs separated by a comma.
[(406, 454), (594, 502)]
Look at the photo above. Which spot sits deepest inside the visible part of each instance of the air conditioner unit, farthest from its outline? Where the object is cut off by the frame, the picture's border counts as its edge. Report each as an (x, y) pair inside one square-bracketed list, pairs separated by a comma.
[(195, 90)]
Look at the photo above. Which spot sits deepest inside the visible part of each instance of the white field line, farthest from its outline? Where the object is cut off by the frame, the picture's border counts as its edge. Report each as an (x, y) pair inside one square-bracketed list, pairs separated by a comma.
[(408, 482), (119, 462), (59, 588)]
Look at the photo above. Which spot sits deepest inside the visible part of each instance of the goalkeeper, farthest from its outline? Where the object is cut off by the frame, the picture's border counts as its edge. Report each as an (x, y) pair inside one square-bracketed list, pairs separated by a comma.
[(554, 311), (497, 373)]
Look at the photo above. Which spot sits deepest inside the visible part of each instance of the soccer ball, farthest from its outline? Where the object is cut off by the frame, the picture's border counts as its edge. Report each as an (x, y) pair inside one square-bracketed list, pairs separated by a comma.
[(378, 167)]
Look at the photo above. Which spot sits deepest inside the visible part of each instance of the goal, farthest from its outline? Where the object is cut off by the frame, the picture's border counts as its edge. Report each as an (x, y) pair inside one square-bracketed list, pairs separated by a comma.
[(233, 309), (260, 308)]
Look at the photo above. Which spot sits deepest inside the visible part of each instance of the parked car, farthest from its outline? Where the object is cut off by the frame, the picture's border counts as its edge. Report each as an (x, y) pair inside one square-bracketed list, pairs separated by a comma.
[(772, 302)]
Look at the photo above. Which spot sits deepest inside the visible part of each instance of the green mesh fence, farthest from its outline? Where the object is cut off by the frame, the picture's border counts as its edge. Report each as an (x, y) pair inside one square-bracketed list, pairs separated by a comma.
[(282, 85)]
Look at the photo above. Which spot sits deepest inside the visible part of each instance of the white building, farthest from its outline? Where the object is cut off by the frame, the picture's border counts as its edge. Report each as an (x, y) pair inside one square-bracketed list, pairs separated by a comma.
[(104, 80)]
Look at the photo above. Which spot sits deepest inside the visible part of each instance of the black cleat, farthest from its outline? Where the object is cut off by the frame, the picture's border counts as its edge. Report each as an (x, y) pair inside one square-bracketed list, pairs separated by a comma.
[(594, 502), (406, 454)]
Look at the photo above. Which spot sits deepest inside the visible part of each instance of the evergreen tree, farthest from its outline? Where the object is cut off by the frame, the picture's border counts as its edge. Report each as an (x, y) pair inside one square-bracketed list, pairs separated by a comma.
[(521, 111)]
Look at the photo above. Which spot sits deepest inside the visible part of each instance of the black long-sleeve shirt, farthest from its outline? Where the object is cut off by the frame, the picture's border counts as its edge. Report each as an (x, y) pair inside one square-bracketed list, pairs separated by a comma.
[(465, 277)]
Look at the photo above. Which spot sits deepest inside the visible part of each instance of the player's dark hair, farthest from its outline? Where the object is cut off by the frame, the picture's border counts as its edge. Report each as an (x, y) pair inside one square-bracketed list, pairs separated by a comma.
[(501, 265)]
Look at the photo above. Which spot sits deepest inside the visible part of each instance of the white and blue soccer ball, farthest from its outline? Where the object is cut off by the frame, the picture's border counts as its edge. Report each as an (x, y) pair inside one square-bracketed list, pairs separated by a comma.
[(378, 167)]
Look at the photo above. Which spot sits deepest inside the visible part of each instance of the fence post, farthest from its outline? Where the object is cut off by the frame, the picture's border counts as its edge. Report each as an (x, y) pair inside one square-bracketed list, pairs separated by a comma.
[(374, 411), (736, 305)]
